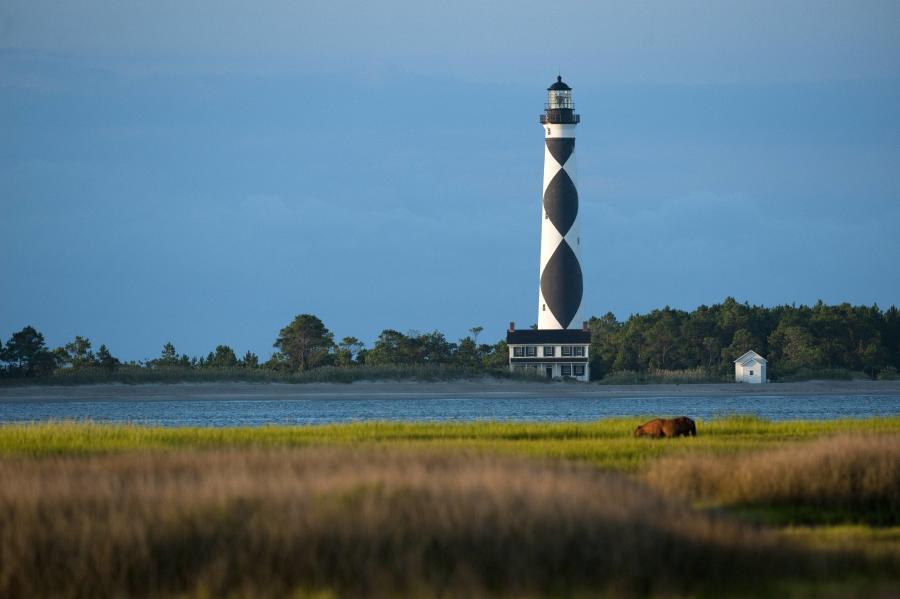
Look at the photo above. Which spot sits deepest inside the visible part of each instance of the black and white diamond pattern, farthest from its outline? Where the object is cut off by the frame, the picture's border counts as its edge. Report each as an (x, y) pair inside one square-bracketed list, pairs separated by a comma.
[(561, 279)]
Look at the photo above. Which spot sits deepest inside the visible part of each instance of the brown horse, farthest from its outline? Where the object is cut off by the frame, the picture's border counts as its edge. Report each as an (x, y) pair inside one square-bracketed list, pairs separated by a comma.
[(664, 427)]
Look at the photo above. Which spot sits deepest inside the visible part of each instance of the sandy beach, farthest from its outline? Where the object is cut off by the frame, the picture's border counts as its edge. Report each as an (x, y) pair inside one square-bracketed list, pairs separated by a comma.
[(487, 388)]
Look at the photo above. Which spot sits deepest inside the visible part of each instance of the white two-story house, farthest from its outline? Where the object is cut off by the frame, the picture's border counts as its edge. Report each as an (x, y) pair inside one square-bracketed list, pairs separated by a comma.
[(554, 353)]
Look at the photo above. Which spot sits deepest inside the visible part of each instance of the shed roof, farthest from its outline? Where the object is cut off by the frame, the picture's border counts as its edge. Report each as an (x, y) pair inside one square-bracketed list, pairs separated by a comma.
[(750, 356)]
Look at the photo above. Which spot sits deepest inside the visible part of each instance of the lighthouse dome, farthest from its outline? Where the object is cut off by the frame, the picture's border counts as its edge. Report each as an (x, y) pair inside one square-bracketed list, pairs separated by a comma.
[(559, 85)]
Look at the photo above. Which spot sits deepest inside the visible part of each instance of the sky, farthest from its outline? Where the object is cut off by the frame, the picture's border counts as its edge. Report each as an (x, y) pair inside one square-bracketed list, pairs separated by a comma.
[(202, 171)]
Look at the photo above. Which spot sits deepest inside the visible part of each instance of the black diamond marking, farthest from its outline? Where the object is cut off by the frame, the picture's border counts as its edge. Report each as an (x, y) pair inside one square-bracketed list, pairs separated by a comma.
[(561, 148), (561, 202), (562, 285)]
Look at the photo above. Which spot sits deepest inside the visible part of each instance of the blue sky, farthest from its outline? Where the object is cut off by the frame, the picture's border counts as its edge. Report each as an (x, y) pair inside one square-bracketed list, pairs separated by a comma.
[(203, 171)]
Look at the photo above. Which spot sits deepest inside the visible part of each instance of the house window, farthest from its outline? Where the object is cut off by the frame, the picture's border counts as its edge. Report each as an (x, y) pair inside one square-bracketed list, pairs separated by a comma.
[(751, 373), (578, 350), (518, 352), (548, 351), (565, 370), (567, 350), (530, 351), (578, 369)]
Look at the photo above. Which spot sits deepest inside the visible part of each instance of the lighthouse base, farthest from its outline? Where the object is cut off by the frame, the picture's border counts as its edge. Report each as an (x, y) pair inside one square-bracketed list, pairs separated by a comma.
[(552, 353)]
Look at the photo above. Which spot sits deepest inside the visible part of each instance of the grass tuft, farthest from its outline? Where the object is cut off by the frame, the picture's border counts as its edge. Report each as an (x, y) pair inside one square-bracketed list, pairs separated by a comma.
[(836, 479)]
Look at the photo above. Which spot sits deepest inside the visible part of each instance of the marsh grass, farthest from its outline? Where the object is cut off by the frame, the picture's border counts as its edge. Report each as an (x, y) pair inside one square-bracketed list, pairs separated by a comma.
[(368, 522), (878, 542), (608, 443), (843, 478), (661, 376), (427, 509), (834, 374)]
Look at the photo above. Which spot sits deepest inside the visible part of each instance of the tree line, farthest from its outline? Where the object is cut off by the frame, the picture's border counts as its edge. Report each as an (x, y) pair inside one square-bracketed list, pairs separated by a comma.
[(303, 345), (794, 339)]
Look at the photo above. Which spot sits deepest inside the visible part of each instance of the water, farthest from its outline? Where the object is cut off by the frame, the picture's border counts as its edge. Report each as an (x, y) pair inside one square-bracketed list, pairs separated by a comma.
[(228, 411)]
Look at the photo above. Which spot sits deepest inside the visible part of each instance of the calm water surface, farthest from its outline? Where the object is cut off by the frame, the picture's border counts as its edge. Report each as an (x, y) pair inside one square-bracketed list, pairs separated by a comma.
[(256, 412)]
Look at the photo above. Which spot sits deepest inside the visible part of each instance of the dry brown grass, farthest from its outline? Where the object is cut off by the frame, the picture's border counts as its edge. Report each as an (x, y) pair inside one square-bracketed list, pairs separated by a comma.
[(361, 523), (855, 474)]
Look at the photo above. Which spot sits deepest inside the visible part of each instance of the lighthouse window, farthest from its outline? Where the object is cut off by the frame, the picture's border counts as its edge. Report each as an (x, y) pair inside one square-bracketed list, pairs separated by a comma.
[(560, 99)]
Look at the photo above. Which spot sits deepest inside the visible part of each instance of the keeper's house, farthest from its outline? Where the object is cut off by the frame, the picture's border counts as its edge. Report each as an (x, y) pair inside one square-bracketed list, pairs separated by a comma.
[(750, 368), (554, 353)]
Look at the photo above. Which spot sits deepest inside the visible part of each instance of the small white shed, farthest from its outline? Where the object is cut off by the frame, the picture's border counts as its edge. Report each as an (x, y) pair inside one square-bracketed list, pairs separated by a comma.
[(750, 368)]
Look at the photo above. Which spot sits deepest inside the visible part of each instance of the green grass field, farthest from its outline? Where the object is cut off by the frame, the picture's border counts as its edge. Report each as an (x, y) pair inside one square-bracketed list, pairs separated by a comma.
[(605, 443), (797, 508)]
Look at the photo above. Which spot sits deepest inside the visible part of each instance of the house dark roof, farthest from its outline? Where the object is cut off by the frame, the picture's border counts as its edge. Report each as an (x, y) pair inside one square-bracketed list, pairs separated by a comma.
[(542, 336)]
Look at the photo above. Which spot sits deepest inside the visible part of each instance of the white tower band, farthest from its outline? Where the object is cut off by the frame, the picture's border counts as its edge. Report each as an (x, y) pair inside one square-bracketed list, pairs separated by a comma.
[(558, 347), (561, 288)]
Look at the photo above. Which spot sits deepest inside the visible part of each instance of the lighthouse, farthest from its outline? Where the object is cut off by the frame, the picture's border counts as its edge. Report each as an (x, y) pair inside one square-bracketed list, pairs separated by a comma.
[(561, 288), (558, 347)]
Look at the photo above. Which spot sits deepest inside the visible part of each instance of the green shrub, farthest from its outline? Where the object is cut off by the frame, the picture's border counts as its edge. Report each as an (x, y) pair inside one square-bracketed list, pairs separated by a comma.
[(889, 374)]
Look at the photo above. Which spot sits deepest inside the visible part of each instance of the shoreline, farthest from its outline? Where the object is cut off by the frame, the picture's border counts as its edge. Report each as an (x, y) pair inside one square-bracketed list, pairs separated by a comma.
[(417, 390)]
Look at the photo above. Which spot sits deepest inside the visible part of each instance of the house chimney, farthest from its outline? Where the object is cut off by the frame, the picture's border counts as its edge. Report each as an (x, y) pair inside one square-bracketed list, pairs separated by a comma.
[(512, 326), (584, 326)]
